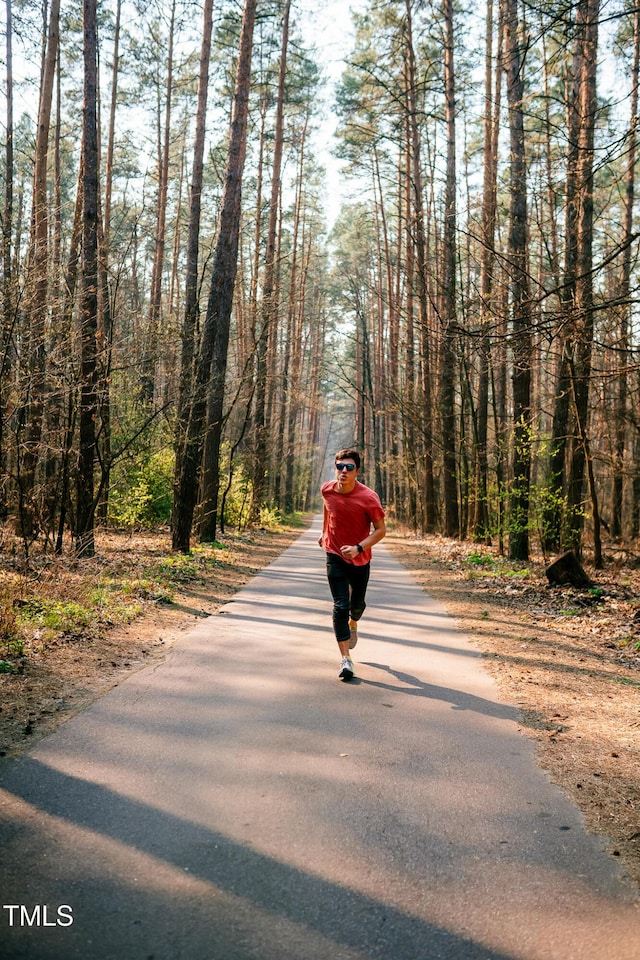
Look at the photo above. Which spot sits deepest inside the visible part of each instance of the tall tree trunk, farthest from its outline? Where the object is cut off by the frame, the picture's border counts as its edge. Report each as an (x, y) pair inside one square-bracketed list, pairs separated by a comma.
[(550, 241), (38, 284), (70, 286), (390, 385), (191, 308), (500, 419), (635, 500), (269, 302), (294, 445), (212, 361), (57, 380), (487, 254), (625, 290), (296, 295), (410, 379), (519, 281), (559, 453), (105, 319), (420, 266), (449, 249), (587, 21), (88, 412), (7, 319)]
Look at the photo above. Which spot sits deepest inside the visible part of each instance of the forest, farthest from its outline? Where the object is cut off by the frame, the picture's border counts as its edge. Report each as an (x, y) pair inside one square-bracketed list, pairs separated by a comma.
[(187, 334)]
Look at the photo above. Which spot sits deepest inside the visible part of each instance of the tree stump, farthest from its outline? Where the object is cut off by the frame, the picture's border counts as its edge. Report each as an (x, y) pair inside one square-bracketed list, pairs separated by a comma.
[(566, 570)]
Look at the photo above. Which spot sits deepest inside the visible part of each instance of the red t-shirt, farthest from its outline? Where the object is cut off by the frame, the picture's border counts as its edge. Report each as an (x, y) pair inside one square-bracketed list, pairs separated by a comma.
[(349, 518)]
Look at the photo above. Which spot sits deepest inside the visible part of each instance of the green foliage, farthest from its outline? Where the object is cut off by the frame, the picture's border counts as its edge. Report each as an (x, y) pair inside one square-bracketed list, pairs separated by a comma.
[(518, 523), (270, 517), (117, 600), (295, 520), (486, 565), (14, 647), (186, 568), (547, 509), (629, 641), (43, 618), (179, 569), (111, 608), (52, 617), (479, 559), (59, 616), (237, 498), (141, 492)]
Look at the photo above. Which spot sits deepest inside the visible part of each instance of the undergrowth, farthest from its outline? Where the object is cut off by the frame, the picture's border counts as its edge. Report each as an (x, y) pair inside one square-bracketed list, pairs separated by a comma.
[(49, 607)]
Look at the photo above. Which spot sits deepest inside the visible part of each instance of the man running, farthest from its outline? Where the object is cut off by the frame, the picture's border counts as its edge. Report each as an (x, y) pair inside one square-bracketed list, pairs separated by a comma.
[(351, 510)]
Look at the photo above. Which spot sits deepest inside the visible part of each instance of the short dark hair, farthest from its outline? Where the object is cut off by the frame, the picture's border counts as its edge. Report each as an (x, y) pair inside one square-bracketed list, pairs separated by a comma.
[(348, 455)]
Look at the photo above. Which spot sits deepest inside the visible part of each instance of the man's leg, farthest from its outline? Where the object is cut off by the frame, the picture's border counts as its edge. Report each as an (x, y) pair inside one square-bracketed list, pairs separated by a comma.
[(359, 579), (338, 577)]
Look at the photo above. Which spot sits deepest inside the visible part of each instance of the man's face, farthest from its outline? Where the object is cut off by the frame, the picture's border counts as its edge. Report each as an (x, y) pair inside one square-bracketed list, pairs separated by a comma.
[(346, 473)]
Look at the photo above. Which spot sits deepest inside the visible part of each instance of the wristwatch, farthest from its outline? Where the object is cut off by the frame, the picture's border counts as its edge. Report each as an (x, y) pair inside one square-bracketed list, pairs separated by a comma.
[(360, 547)]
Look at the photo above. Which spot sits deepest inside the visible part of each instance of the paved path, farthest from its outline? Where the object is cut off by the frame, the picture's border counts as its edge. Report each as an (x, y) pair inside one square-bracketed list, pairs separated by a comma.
[(239, 802)]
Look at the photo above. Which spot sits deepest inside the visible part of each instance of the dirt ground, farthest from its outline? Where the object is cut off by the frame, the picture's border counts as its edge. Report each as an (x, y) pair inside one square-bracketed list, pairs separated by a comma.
[(570, 659)]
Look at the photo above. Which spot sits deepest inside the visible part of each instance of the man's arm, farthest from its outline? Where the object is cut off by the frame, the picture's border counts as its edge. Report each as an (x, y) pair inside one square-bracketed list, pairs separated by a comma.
[(324, 525), (378, 532)]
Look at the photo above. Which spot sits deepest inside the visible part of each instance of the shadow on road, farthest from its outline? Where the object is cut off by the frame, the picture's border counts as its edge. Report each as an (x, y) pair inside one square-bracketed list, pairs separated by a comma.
[(460, 700), (251, 905)]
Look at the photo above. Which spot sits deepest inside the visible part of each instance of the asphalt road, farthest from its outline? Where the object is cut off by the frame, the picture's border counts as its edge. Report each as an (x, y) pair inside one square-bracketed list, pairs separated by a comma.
[(239, 802)]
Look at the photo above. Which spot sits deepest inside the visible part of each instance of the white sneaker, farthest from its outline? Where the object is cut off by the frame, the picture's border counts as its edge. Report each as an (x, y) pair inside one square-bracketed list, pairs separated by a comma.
[(346, 669)]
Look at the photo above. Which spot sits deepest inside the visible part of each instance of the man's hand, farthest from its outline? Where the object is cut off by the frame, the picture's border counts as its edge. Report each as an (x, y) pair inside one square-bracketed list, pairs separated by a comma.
[(349, 552)]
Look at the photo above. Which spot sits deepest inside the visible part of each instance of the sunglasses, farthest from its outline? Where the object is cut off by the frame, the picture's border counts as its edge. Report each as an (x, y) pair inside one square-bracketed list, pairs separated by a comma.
[(350, 467)]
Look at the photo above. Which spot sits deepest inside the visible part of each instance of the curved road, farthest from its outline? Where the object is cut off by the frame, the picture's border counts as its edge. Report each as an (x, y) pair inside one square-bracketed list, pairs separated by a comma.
[(238, 802)]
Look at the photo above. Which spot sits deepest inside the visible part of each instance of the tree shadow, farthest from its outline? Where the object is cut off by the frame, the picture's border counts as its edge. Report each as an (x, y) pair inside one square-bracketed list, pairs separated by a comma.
[(246, 904)]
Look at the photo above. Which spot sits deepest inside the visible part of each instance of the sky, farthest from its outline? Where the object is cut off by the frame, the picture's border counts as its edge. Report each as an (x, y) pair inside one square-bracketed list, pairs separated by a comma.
[(327, 25)]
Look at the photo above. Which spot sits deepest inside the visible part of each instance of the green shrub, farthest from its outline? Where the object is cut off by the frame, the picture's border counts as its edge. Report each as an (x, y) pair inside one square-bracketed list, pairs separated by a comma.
[(185, 568), (270, 517), (15, 647), (58, 616), (237, 499), (141, 493), (480, 559), (180, 568)]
